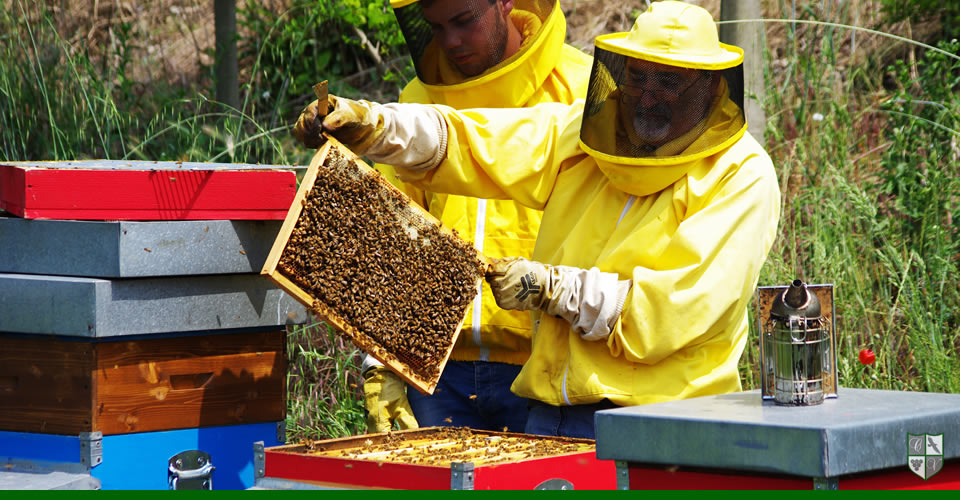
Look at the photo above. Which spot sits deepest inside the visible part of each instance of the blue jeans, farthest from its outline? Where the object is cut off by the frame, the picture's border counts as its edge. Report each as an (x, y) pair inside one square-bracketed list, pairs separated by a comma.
[(493, 408), (568, 421)]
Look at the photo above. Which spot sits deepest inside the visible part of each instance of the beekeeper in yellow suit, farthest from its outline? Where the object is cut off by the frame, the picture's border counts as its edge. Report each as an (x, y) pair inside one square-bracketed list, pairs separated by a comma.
[(659, 211), (491, 54)]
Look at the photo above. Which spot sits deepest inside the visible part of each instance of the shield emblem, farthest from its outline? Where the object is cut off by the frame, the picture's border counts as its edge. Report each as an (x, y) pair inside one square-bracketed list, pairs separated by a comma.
[(925, 454)]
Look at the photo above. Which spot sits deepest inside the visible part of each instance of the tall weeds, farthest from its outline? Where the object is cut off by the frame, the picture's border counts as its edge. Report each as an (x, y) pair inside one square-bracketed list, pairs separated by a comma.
[(61, 98), (324, 386), (867, 154)]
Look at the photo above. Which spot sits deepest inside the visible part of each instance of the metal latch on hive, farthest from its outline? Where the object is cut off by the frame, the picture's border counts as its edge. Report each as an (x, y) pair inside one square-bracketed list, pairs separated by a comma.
[(190, 470)]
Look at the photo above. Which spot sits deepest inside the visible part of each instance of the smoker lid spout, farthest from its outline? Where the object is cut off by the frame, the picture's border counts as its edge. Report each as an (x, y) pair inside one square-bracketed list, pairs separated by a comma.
[(796, 301)]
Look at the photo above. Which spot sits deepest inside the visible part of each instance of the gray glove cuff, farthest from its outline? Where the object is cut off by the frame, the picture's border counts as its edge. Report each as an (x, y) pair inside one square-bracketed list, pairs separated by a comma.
[(590, 300), (369, 362), (414, 137)]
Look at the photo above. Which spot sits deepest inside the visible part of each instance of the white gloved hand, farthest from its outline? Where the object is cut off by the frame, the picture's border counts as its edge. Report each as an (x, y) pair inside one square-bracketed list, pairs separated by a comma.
[(590, 300), (409, 136)]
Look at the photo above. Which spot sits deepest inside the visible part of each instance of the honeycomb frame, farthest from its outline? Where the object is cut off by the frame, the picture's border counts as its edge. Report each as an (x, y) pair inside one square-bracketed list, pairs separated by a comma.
[(425, 383)]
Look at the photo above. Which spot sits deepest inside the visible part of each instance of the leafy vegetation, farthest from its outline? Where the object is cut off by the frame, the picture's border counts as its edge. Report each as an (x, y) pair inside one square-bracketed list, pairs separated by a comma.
[(310, 41), (946, 13)]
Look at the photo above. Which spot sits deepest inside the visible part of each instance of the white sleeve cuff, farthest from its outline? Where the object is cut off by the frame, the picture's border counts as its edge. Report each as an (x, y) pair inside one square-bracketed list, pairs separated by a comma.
[(414, 137), (590, 300), (368, 363)]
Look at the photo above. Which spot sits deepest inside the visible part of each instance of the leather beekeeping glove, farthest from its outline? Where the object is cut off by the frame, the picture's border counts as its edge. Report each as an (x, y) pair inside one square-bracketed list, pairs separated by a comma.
[(590, 300), (309, 127), (385, 397), (410, 136)]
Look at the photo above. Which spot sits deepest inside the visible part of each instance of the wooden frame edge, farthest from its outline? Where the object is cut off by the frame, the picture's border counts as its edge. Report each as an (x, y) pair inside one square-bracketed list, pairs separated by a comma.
[(290, 222)]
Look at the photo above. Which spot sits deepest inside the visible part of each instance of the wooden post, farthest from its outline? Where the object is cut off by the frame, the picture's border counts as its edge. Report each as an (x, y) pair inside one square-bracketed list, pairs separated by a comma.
[(749, 37), (226, 68)]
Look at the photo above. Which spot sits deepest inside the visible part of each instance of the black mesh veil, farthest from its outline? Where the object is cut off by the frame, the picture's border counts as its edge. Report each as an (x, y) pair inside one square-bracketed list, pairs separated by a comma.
[(475, 22), (416, 30), (637, 108)]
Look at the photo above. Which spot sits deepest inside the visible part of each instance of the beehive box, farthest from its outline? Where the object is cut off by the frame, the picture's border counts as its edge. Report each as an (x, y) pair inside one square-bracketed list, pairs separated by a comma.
[(442, 458), (134, 385), (134, 249), (141, 460), (145, 190), (90, 307), (362, 255)]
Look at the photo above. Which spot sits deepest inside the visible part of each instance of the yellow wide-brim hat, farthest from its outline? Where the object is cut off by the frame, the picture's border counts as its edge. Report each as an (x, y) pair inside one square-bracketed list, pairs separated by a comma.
[(677, 34)]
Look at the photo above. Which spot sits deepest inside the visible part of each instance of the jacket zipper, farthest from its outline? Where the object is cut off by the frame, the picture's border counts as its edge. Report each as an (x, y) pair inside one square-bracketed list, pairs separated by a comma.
[(566, 367), (478, 238)]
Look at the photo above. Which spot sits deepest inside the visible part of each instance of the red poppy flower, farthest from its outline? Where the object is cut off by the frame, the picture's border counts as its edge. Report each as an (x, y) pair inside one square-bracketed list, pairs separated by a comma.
[(867, 357)]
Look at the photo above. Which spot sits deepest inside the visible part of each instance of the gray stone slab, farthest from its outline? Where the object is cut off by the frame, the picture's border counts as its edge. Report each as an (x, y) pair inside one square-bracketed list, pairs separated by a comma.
[(121, 249), (47, 480), (91, 307), (861, 430)]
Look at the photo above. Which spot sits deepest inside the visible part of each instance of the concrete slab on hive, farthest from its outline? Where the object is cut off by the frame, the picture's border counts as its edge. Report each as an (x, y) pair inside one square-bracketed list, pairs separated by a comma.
[(47, 480), (91, 307), (376, 266), (125, 249), (861, 430), (145, 190)]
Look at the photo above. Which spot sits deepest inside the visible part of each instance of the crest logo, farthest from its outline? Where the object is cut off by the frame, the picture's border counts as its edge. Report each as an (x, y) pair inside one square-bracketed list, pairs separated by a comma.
[(925, 454)]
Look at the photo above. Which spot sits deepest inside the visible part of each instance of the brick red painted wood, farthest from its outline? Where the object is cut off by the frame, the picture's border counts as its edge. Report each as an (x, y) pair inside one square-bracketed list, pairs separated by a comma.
[(349, 473), (582, 470), (652, 477), (144, 190)]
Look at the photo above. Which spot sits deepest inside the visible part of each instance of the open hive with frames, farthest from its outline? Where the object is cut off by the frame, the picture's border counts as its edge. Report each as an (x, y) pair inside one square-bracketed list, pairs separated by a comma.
[(441, 446), (361, 255), (440, 458)]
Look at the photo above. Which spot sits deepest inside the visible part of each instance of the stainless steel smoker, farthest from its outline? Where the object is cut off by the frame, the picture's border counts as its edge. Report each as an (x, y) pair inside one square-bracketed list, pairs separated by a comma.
[(797, 343)]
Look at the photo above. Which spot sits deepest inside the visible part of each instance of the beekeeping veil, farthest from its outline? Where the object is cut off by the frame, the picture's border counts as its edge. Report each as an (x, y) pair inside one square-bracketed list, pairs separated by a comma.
[(486, 78), (668, 92)]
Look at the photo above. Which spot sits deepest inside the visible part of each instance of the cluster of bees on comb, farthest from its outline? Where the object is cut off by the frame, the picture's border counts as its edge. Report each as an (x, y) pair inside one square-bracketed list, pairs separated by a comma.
[(446, 445), (361, 252)]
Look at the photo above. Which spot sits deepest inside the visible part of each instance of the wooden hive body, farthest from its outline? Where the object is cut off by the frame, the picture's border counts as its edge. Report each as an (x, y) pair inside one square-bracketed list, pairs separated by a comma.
[(401, 302), (66, 387)]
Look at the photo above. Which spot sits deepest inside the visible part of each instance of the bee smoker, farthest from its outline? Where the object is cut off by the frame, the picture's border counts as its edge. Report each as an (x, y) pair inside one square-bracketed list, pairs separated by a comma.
[(797, 347)]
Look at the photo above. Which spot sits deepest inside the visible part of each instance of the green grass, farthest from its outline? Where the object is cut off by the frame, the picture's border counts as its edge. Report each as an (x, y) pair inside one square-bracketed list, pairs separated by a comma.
[(867, 153), (325, 397)]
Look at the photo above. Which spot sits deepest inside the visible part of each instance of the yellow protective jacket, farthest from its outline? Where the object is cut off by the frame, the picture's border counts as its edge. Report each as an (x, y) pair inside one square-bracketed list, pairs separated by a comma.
[(690, 232), (543, 70)]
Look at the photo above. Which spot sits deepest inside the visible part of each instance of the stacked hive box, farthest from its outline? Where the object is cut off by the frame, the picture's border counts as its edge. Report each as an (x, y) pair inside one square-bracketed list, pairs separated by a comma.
[(134, 326)]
